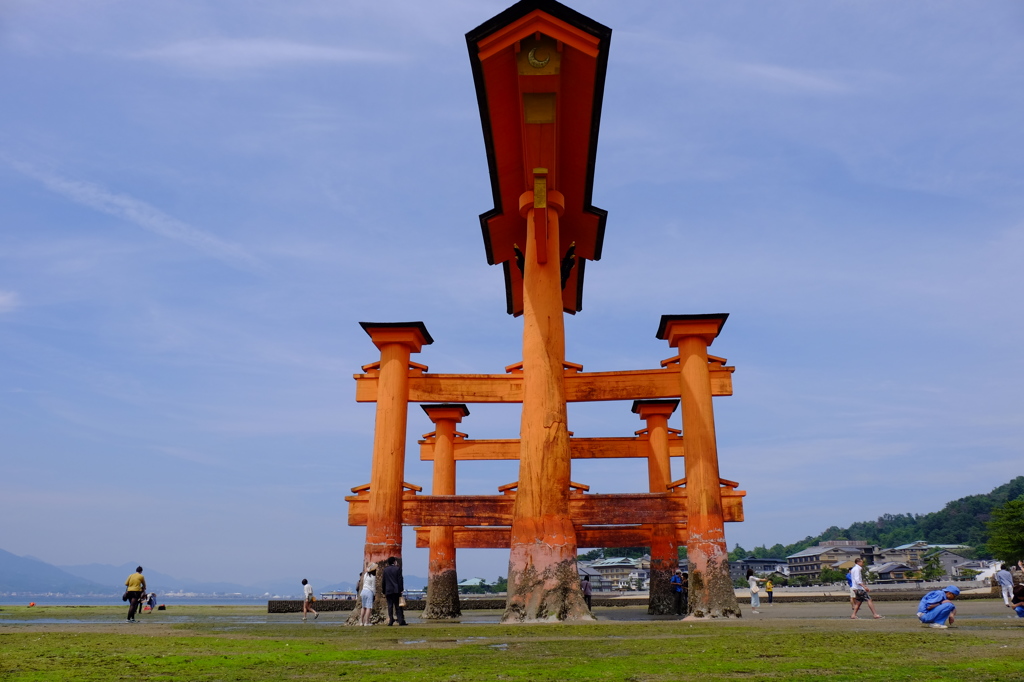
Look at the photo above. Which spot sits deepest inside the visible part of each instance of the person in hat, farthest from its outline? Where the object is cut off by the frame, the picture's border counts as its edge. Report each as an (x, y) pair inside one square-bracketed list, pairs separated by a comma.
[(937, 608), (367, 594)]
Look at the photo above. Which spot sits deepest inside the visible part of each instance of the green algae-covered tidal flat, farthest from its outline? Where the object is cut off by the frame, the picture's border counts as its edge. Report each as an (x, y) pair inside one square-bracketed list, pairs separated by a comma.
[(784, 642)]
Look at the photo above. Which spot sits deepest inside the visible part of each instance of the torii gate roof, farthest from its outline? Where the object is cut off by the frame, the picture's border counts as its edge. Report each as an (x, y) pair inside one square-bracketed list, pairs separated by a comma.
[(539, 69)]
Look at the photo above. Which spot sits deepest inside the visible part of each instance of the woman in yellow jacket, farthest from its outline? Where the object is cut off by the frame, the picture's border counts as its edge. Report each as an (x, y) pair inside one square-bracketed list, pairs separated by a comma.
[(136, 585)]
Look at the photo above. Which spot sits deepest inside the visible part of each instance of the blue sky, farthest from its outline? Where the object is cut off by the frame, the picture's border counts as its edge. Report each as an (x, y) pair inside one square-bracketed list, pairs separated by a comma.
[(200, 200)]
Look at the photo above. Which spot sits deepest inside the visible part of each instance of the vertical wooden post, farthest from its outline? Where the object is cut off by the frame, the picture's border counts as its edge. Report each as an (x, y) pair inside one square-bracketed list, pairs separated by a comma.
[(442, 579), (543, 583), (664, 548), (711, 591), (396, 341)]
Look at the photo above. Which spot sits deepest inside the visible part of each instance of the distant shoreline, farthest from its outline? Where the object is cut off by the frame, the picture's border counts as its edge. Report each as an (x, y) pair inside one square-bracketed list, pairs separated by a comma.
[(23, 599)]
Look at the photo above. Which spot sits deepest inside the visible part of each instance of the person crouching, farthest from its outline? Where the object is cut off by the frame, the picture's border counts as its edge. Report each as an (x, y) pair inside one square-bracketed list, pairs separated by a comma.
[(936, 607)]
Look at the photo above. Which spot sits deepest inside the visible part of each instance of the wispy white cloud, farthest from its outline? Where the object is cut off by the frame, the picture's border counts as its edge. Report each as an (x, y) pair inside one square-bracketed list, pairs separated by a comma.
[(9, 301), (719, 63), (244, 54), (188, 455), (141, 214), (786, 78)]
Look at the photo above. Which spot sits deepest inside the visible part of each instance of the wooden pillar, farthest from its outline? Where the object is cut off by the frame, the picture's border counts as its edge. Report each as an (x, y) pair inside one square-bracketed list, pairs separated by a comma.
[(442, 579), (543, 583), (664, 548), (396, 341), (711, 591)]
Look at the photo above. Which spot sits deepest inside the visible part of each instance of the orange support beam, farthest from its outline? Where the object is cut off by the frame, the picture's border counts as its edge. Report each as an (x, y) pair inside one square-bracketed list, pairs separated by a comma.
[(711, 592), (396, 341), (498, 537), (642, 384), (442, 578), (579, 448), (582, 509), (664, 549)]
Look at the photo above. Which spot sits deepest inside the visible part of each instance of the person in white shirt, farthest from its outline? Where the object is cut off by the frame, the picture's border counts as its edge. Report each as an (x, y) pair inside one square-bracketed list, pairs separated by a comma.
[(1005, 581), (307, 600), (755, 590), (858, 590), (367, 594)]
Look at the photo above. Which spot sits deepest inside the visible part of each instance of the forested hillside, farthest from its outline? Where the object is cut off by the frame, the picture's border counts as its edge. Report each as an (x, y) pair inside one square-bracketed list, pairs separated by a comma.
[(959, 522)]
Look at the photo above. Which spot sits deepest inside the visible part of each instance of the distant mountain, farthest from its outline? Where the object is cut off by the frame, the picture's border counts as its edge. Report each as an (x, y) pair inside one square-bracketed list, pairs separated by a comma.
[(163, 583), (412, 582), (960, 522), (155, 580), (25, 574)]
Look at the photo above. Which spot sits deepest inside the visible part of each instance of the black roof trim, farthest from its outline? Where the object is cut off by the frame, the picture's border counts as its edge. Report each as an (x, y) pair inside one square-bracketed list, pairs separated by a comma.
[(665, 319), (506, 269), (462, 406), (674, 402), (367, 326)]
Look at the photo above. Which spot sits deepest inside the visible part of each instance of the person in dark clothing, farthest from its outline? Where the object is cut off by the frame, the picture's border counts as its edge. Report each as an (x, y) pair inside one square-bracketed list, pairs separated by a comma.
[(136, 587), (393, 588), (677, 591), (585, 586), (686, 593)]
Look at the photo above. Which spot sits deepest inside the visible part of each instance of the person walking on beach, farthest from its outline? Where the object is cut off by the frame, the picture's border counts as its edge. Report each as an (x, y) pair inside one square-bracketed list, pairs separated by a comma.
[(1005, 581), (858, 590), (367, 594), (307, 600), (136, 585), (936, 608), (393, 588), (755, 590)]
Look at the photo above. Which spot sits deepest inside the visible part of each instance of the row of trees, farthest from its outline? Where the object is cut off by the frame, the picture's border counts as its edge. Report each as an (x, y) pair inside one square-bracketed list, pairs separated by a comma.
[(499, 585), (993, 524)]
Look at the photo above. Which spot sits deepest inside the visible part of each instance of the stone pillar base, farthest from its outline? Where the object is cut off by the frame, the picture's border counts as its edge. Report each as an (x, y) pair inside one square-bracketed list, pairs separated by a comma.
[(442, 596)]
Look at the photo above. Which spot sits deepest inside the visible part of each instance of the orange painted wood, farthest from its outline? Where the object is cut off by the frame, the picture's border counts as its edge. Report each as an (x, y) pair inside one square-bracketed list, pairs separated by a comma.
[(384, 498), (580, 448), (533, 22), (711, 595), (585, 510), (642, 384), (500, 537), (517, 142), (543, 543), (663, 543), (442, 540)]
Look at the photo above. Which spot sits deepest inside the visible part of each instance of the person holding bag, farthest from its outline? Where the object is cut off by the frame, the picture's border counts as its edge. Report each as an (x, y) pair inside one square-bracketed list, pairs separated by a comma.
[(307, 600), (755, 590), (136, 585)]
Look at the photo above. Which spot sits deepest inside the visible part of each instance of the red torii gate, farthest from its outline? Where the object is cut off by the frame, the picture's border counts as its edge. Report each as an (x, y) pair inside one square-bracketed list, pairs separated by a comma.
[(539, 70)]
